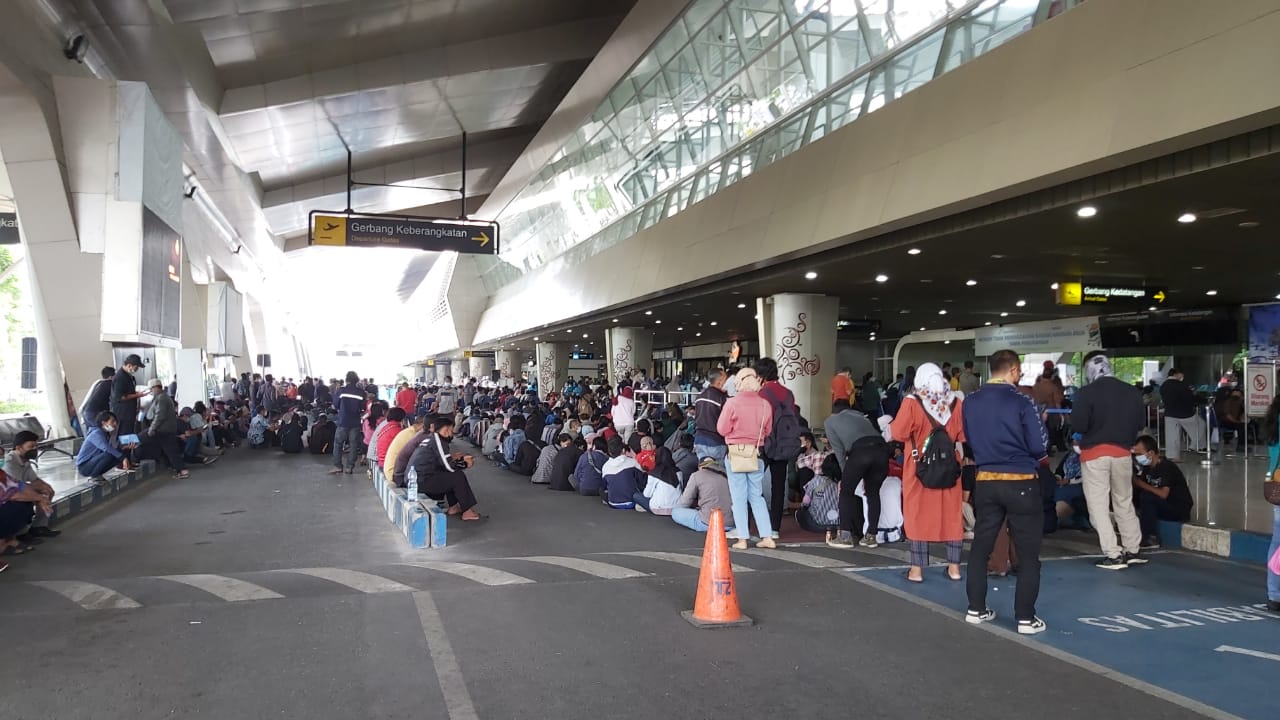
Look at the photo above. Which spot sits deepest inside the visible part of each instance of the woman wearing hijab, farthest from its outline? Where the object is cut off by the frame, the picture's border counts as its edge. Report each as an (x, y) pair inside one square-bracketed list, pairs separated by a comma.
[(745, 421), (929, 515), (624, 413)]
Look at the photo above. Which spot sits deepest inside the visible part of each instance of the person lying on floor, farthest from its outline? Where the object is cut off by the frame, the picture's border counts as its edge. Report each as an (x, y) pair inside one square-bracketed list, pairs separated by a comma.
[(441, 473)]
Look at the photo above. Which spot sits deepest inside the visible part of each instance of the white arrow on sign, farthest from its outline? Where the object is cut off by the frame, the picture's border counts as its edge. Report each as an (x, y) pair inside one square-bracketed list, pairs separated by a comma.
[(1246, 651)]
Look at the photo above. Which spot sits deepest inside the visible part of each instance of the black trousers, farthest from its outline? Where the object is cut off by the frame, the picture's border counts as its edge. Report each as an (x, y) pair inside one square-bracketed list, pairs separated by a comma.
[(163, 445), (1016, 502), (868, 464), (452, 487), (1152, 509), (15, 516), (777, 490)]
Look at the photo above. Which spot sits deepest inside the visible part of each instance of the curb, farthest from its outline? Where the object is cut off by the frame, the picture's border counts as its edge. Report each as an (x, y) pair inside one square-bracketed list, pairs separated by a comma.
[(80, 501), (1238, 545)]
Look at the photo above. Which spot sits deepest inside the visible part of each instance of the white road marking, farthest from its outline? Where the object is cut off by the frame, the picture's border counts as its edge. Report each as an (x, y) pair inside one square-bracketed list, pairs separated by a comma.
[(88, 595), (590, 567), (478, 573), (229, 589), (354, 579), (692, 561), (453, 686), (797, 558), (1246, 651)]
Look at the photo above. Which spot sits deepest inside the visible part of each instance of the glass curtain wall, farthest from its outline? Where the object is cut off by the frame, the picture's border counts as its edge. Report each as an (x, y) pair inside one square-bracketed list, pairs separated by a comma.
[(730, 87)]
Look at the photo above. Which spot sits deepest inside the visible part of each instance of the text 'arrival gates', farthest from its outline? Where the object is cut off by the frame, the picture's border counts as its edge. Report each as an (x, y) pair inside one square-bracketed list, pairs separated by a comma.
[(339, 229)]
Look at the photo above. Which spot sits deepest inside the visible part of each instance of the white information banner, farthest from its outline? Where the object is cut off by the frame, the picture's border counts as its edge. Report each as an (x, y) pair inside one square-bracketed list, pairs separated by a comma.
[(1048, 336), (1259, 387)]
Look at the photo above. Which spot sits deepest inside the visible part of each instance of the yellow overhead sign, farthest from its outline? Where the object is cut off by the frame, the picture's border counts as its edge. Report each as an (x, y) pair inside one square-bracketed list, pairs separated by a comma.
[(330, 230), (1070, 293)]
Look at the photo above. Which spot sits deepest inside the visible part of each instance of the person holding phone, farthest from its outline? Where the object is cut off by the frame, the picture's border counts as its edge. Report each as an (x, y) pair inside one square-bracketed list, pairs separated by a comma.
[(441, 473), (125, 395)]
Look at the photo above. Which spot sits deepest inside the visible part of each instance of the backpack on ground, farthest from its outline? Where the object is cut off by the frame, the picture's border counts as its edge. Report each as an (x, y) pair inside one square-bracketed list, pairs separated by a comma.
[(936, 465)]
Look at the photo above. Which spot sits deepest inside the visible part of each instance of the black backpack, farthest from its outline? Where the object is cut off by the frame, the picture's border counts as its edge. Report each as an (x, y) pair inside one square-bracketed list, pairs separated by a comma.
[(936, 465), (784, 442)]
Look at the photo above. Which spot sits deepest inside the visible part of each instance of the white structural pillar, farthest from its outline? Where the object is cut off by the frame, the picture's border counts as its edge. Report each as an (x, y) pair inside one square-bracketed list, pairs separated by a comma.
[(507, 363), (429, 373), (444, 369), (629, 349), (553, 367), (49, 364), (481, 368), (799, 333)]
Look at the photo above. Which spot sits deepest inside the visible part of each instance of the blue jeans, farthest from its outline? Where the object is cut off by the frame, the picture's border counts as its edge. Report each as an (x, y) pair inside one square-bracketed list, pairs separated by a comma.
[(640, 499), (1273, 580), (710, 451), (100, 467), (352, 437), (747, 490), (689, 518)]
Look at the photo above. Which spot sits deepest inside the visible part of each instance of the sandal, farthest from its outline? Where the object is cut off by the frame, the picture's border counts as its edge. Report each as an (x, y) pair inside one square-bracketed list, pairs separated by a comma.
[(183, 475)]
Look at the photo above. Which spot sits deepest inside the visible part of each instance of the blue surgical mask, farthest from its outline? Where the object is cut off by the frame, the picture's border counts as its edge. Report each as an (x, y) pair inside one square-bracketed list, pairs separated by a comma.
[(1143, 460)]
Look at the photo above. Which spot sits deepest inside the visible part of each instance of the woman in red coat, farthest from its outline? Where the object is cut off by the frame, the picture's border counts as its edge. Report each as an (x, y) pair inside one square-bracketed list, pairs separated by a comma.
[(929, 515)]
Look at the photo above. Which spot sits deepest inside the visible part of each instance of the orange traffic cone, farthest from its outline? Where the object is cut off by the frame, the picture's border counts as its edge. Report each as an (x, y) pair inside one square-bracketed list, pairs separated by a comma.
[(716, 605)]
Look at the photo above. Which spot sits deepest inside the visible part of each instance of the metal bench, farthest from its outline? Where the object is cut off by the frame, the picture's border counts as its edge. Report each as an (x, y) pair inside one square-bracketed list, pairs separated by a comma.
[(10, 427)]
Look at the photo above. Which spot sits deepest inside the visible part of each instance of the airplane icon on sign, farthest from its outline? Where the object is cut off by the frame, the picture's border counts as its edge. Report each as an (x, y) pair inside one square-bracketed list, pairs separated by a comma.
[(331, 226)]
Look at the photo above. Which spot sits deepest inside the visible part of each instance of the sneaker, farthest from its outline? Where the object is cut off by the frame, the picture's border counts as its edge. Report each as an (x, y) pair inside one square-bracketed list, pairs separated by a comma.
[(640, 509), (44, 532), (1034, 626), (1135, 559), (775, 535), (210, 460), (1112, 563), (740, 545), (1150, 543), (843, 540), (767, 543), (977, 617), (868, 541)]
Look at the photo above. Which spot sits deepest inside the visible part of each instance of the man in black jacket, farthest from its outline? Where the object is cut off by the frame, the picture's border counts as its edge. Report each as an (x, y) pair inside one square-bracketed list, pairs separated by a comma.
[(97, 399), (707, 442), (1109, 414), (440, 472), (124, 396), (1180, 415)]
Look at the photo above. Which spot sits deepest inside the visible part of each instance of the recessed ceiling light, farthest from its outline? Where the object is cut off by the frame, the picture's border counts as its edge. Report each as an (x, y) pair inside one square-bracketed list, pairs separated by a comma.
[(1211, 292), (1151, 309), (535, 339), (1086, 211), (569, 330), (657, 322), (1197, 267), (942, 312), (1185, 218), (742, 306), (882, 278), (1004, 314), (615, 319), (997, 256), (1053, 286), (648, 312), (946, 342), (712, 323), (757, 316), (679, 328), (904, 312), (1278, 297), (1021, 303), (970, 283), (921, 329), (697, 334), (1101, 262), (584, 335), (987, 323), (1249, 224), (811, 275)]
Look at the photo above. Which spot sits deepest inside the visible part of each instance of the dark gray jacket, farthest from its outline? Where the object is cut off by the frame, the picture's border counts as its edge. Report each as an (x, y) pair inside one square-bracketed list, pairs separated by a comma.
[(844, 429), (164, 418)]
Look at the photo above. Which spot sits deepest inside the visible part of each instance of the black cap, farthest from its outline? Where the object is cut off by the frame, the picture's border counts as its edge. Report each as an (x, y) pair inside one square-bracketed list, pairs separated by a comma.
[(134, 359)]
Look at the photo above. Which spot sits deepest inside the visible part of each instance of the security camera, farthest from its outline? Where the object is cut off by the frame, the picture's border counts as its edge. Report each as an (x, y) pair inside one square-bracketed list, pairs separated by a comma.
[(76, 47)]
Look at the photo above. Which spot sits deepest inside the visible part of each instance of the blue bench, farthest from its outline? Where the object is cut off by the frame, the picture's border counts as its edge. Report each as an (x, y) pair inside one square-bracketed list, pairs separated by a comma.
[(422, 528)]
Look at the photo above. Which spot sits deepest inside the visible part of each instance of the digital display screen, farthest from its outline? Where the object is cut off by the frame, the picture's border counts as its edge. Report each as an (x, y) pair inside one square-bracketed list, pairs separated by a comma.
[(161, 278)]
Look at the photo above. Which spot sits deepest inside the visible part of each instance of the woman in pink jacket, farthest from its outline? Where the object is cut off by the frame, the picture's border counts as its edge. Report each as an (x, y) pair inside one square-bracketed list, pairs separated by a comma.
[(746, 420)]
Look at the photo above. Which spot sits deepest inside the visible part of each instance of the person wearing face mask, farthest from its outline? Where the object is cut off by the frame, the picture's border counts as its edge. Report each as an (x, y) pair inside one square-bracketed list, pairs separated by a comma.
[(1161, 491), (101, 450), (19, 465)]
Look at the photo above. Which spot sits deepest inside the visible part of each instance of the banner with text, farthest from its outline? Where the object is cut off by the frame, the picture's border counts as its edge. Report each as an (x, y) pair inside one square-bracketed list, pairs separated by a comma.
[(1260, 387), (1066, 335)]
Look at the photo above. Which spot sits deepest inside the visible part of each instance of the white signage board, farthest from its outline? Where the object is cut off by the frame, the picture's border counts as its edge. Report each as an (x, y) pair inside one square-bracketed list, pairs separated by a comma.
[(1048, 336), (1259, 387)]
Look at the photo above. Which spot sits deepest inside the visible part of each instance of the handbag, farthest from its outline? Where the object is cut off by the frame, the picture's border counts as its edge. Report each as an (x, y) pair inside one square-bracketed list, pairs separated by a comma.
[(1271, 488), (746, 458)]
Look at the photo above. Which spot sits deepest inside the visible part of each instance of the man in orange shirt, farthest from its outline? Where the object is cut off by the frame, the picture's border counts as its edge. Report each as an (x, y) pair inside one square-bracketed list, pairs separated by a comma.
[(842, 386)]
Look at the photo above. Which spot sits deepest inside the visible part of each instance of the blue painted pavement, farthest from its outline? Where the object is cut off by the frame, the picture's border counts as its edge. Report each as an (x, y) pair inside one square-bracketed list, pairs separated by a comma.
[(1197, 626)]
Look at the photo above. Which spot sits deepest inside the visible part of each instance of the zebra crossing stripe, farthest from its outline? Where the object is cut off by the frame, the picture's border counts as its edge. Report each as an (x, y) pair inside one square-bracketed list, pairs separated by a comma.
[(478, 573), (229, 589), (88, 595), (590, 567), (811, 561), (693, 561), (354, 579)]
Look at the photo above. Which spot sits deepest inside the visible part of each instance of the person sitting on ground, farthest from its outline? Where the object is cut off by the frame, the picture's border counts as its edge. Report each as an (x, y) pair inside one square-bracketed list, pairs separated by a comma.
[(621, 477), (441, 473), (646, 456), (588, 478), (809, 461), (1160, 490), (526, 460), (292, 425), (515, 438), (1069, 503), (547, 459), (320, 436), (820, 508), (535, 424), (662, 486), (706, 491), (565, 463), (19, 465), (685, 458), (101, 451), (191, 439), (262, 433)]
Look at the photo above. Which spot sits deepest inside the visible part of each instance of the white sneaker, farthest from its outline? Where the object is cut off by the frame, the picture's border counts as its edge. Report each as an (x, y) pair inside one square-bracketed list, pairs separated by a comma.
[(1034, 626), (974, 617)]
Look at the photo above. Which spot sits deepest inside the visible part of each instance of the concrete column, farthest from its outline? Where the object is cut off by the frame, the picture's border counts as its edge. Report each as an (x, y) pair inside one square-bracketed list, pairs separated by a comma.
[(429, 374), (444, 369), (553, 367), (629, 349), (800, 333), (481, 368), (507, 363)]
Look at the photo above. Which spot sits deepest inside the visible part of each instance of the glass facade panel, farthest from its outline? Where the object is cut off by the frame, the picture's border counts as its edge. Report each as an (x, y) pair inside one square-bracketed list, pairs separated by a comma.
[(735, 85)]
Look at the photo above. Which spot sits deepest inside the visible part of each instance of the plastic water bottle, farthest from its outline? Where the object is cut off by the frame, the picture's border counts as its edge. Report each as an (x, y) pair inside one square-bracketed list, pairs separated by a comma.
[(411, 487)]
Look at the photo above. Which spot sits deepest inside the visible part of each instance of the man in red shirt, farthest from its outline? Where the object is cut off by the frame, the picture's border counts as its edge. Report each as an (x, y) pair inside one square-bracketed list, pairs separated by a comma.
[(406, 399)]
